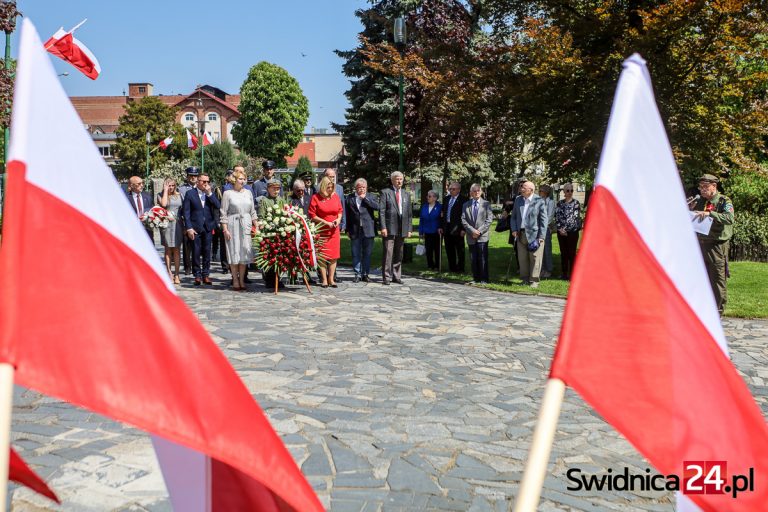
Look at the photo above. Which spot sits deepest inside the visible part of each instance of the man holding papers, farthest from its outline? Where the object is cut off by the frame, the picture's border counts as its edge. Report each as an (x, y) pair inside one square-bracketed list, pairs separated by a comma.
[(716, 208)]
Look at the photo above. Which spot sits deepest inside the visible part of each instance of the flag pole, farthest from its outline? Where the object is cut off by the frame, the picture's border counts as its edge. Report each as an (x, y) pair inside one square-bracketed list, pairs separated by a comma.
[(538, 457), (6, 406)]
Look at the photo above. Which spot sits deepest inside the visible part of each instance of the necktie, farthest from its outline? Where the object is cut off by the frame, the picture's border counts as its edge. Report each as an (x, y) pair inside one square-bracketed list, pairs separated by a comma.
[(450, 206), (474, 211), (139, 206), (397, 197)]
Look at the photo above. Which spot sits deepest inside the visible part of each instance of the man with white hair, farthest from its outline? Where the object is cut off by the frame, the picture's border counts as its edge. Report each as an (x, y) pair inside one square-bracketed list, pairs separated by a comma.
[(396, 217), (528, 224), (361, 228), (299, 198), (476, 218)]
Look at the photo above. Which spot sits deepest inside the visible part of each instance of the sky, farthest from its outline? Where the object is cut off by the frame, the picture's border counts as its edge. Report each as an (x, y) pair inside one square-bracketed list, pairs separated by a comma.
[(176, 45)]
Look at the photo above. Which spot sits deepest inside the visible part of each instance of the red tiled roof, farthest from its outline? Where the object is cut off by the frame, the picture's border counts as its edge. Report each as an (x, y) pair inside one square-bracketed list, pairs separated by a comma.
[(306, 149)]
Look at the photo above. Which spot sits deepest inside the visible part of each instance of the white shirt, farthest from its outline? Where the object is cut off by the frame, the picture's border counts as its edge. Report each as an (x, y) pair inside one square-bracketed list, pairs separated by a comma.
[(451, 202), (430, 208), (526, 204), (358, 201)]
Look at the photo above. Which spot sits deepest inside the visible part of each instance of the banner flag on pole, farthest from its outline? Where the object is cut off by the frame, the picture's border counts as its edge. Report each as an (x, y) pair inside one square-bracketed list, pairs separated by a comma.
[(191, 140), (116, 339), (65, 46), (165, 142), (641, 339), (207, 139)]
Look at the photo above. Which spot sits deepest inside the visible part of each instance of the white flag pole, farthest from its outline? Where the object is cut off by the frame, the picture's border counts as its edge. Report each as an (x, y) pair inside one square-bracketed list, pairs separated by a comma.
[(538, 457), (6, 407), (77, 26)]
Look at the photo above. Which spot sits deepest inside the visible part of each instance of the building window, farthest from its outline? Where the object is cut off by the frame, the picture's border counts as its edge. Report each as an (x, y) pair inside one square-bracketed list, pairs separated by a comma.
[(213, 117), (189, 117), (106, 151), (142, 90)]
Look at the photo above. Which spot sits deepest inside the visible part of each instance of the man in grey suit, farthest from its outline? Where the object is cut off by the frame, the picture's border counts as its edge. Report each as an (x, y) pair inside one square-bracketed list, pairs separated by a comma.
[(476, 217), (396, 219), (528, 223), (361, 228)]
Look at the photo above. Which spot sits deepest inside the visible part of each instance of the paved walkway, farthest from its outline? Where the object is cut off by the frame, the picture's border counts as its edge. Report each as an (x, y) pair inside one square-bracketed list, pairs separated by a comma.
[(414, 397)]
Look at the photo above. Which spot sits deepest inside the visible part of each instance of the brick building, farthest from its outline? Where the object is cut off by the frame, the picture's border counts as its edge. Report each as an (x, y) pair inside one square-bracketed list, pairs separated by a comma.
[(209, 106)]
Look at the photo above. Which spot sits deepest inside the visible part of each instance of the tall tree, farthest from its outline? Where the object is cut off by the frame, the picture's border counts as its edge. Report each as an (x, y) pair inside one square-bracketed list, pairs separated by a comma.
[(273, 113), (219, 157), (370, 131), (149, 114)]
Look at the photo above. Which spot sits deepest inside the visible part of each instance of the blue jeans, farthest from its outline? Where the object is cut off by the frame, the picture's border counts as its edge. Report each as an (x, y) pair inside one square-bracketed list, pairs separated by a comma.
[(362, 247)]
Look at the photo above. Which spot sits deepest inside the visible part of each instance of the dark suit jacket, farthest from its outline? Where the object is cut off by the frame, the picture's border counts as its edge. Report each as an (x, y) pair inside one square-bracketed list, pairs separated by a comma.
[(196, 216), (302, 203), (389, 216), (361, 222), (452, 225), (146, 201)]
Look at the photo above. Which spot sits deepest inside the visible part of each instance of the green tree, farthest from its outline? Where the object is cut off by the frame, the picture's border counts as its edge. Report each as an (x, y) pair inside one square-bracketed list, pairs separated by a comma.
[(148, 115), (8, 14), (273, 113), (219, 157)]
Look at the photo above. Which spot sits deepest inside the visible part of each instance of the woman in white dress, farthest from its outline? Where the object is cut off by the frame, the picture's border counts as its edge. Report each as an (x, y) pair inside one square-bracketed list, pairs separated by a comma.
[(172, 236), (238, 215)]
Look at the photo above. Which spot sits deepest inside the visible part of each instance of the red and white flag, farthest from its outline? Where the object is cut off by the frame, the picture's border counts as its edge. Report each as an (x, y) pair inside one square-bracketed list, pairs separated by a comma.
[(207, 139), (116, 338), (19, 472), (165, 142), (191, 140), (68, 48), (641, 339)]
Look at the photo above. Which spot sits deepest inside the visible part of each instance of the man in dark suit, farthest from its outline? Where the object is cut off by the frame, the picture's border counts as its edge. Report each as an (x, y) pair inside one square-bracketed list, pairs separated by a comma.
[(396, 217), (361, 228), (451, 227), (299, 197), (186, 247), (200, 205), (140, 201)]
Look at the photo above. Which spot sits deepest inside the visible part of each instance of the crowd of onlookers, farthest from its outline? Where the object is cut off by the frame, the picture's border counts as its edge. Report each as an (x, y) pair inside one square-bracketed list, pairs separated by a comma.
[(221, 221)]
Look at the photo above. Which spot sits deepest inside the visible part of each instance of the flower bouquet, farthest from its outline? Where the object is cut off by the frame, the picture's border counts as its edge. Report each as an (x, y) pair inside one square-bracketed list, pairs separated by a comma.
[(287, 243), (157, 217)]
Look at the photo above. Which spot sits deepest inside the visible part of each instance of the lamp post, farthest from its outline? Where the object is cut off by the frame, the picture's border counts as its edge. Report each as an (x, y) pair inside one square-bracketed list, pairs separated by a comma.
[(201, 131), (400, 40), (148, 139)]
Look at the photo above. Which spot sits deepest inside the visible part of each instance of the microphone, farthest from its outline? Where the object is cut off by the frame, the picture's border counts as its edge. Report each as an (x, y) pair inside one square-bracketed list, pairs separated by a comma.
[(693, 199)]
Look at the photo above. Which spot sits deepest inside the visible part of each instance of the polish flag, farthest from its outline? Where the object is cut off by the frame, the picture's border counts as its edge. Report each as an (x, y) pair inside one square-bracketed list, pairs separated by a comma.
[(207, 139), (191, 140), (641, 339), (19, 472), (68, 48), (165, 142), (116, 338)]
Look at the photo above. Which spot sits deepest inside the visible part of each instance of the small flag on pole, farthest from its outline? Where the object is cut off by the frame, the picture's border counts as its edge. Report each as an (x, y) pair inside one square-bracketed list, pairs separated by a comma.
[(207, 139), (20, 473), (68, 48), (165, 142), (191, 140)]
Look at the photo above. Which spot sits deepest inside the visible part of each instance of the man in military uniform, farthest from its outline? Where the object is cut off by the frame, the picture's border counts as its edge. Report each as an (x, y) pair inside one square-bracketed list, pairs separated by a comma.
[(272, 198), (714, 245)]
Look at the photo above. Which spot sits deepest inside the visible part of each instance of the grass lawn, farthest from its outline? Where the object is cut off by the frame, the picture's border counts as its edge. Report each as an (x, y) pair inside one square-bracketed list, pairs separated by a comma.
[(747, 296)]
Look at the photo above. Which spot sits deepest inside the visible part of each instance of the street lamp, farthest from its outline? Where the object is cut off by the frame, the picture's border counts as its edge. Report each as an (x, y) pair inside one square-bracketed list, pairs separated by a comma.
[(149, 138), (400, 40)]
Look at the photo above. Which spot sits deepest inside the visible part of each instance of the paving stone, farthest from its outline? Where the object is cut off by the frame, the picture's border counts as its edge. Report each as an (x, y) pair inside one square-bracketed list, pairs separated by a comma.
[(404, 398)]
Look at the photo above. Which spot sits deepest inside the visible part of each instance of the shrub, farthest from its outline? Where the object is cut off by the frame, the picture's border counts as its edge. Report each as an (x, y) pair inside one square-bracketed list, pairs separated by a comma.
[(750, 237)]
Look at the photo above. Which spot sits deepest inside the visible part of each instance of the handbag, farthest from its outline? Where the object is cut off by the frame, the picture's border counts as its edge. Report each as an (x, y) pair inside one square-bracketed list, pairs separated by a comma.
[(533, 246), (421, 250)]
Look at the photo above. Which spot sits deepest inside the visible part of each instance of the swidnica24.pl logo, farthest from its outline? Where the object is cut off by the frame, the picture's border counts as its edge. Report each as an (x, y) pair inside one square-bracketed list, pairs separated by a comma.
[(699, 477)]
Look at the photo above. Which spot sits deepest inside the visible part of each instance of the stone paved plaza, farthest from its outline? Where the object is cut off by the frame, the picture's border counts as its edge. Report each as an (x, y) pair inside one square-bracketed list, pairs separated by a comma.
[(414, 397)]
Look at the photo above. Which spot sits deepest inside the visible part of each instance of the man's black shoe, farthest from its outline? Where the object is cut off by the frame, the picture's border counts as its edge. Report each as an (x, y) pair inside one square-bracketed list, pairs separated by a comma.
[(385, 283), (366, 279), (398, 281), (355, 279)]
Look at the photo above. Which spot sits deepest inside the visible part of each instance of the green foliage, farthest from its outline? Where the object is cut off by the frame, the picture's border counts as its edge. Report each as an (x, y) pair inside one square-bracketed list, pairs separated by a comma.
[(750, 230), (219, 157), (174, 169), (303, 166), (748, 191), (273, 112), (148, 115)]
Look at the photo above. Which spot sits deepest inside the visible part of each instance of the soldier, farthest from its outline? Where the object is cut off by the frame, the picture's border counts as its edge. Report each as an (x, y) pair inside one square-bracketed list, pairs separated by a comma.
[(714, 245)]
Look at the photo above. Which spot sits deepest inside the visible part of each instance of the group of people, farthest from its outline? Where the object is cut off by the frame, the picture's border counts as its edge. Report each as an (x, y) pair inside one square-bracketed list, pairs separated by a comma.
[(225, 218)]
